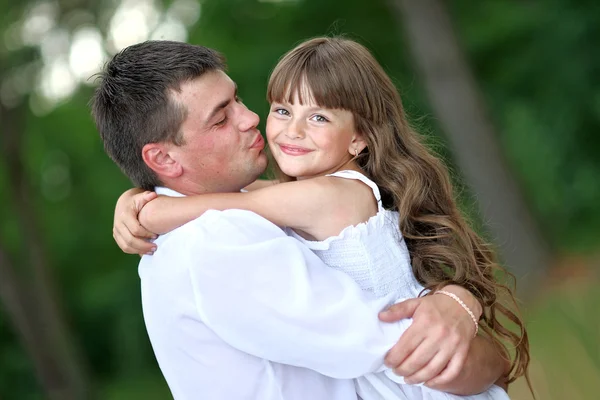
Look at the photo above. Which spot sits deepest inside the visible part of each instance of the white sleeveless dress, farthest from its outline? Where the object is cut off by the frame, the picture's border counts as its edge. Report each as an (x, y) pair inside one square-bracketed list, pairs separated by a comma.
[(375, 255)]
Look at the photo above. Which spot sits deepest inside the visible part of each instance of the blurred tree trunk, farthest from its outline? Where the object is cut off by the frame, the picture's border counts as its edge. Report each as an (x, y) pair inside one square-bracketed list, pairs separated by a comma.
[(28, 290), (460, 108), (28, 293)]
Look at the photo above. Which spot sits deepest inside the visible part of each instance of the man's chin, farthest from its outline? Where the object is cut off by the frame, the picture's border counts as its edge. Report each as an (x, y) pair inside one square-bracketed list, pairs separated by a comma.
[(263, 161), (259, 168)]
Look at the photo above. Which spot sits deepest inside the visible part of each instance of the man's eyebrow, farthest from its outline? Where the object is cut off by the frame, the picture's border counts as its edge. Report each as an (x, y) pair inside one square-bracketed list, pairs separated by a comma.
[(221, 106)]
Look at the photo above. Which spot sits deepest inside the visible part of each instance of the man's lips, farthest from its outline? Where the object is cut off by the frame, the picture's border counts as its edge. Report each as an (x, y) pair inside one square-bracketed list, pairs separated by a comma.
[(294, 150), (259, 142)]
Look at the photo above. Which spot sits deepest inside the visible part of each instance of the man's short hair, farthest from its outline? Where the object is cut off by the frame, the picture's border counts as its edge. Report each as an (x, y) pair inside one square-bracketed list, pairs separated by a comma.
[(133, 104)]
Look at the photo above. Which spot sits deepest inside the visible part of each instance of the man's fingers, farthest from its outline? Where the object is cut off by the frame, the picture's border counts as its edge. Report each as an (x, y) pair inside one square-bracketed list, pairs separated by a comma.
[(451, 371), (405, 346), (404, 309), (430, 370), (419, 359)]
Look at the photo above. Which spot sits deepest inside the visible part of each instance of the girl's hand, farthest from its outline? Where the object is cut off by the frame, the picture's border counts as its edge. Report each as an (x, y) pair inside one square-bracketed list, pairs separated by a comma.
[(129, 234)]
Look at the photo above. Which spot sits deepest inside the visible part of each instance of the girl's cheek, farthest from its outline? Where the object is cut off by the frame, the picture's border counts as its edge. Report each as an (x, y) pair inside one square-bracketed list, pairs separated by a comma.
[(269, 128)]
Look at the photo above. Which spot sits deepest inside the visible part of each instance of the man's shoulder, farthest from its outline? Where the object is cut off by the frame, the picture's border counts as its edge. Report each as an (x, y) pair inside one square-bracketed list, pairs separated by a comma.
[(215, 218), (216, 225), (214, 231)]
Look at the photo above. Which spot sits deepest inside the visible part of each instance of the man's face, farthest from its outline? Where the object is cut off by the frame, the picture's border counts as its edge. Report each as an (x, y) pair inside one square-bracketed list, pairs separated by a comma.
[(223, 149)]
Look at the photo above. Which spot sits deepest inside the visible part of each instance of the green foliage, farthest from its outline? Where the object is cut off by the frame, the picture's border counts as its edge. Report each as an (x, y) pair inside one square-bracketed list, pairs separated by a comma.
[(538, 65)]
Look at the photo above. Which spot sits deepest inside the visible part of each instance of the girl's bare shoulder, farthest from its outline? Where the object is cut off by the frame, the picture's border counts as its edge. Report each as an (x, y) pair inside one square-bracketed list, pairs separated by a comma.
[(351, 197)]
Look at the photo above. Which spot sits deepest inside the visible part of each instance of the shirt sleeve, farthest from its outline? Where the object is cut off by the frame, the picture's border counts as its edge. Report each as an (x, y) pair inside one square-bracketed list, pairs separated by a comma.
[(266, 294)]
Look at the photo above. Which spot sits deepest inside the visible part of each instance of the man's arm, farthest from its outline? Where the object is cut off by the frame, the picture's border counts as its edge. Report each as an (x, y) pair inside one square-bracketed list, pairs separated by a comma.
[(471, 370), (265, 294)]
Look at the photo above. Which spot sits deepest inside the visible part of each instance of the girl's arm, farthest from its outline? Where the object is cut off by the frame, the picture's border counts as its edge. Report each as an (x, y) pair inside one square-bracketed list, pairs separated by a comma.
[(300, 205), (260, 183)]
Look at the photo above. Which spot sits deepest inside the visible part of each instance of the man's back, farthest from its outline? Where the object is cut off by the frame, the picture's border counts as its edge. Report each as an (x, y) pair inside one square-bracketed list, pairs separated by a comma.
[(195, 361)]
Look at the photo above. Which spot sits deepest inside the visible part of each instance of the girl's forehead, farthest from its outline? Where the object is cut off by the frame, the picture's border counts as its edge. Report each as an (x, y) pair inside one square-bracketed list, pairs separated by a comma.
[(300, 94)]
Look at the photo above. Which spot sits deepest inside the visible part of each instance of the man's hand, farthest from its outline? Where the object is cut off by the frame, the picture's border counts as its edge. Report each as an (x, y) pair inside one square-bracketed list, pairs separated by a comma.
[(129, 234), (437, 343), (486, 364)]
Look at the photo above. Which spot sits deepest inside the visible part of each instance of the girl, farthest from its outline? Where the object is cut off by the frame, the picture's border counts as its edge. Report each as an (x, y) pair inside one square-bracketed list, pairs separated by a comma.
[(360, 189)]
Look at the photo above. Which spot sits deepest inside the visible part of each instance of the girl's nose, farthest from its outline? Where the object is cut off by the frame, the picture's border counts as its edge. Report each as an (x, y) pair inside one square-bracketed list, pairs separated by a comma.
[(295, 131)]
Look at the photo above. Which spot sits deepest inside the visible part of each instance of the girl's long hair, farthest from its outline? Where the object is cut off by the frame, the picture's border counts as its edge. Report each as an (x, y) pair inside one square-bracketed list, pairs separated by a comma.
[(444, 248)]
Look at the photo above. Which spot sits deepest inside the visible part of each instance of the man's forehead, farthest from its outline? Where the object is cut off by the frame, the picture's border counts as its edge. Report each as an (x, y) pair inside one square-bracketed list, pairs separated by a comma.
[(205, 92), (207, 82)]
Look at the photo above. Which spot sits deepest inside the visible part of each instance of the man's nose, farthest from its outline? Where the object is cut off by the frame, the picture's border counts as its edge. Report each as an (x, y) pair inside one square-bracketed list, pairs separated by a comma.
[(249, 120)]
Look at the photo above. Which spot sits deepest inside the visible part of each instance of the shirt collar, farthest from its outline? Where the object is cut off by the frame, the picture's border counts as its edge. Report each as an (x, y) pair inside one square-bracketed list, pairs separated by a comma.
[(165, 191)]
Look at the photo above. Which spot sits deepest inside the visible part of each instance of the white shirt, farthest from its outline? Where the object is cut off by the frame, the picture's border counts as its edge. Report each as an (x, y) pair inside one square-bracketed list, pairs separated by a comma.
[(235, 309)]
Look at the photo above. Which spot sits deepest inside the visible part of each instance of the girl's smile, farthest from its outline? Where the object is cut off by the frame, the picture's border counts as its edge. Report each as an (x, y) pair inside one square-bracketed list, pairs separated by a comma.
[(292, 150)]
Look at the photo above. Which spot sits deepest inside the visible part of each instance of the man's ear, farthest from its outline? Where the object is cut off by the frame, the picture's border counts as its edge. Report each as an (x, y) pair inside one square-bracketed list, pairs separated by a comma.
[(157, 158), (357, 144)]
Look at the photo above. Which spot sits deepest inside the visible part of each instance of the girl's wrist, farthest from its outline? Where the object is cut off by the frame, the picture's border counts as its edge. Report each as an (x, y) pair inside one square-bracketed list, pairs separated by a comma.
[(467, 297)]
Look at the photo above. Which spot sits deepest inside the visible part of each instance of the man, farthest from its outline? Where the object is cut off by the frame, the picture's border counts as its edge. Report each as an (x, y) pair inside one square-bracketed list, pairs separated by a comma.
[(234, 308)]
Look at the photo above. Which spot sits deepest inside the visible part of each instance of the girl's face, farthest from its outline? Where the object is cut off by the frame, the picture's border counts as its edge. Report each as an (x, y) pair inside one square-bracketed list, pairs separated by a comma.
[(308, 140)]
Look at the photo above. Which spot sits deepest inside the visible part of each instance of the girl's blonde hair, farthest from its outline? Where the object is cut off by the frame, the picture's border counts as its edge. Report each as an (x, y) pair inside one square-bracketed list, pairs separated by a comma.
[(342, 74)]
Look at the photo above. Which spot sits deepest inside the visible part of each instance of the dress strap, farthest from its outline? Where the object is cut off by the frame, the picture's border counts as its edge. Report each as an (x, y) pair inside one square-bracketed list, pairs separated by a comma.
[(351, 174)]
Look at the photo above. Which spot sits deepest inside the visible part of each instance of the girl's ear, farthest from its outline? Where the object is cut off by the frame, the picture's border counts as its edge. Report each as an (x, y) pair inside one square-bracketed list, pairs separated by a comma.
[(357, 145)]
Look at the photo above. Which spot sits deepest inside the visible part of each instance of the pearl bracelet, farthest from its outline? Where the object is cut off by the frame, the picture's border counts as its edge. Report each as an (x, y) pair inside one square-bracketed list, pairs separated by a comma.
[(463, 305)]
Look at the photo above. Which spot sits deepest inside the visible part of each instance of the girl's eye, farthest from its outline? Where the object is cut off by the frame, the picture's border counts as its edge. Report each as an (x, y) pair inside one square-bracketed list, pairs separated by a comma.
[(319, 118), (282, 111)]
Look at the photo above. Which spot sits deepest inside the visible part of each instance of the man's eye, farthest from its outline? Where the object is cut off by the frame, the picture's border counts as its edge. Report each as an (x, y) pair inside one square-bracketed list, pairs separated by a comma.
[(221, 122)]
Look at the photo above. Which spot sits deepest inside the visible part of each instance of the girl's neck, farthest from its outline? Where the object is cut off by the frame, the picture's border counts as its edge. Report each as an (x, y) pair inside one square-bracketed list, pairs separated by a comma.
[(348, 165)]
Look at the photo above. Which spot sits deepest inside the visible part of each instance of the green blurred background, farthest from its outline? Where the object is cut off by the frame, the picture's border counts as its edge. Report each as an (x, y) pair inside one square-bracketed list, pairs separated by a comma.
[(70, 318)]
